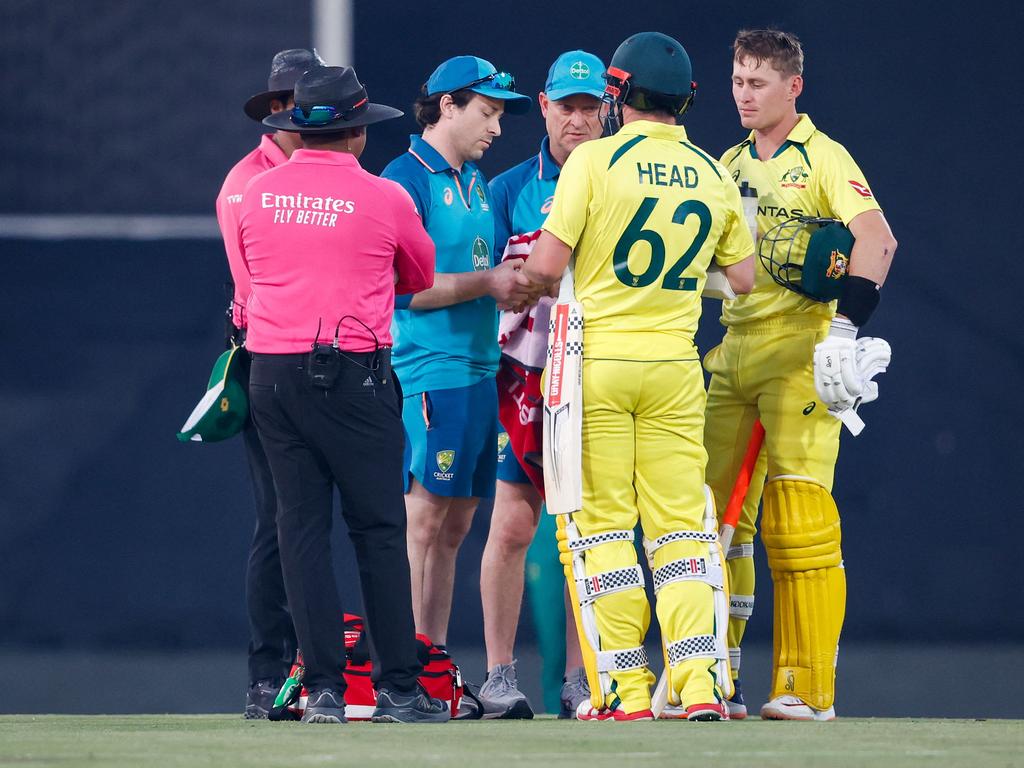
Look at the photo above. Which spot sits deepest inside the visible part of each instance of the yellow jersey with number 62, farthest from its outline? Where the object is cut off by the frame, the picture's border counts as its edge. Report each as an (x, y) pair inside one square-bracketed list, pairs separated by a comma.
[(645, 211), (809, 175)]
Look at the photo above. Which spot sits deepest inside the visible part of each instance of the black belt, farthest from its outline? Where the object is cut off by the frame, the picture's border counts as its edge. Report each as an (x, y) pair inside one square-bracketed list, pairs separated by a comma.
[(301, 358)]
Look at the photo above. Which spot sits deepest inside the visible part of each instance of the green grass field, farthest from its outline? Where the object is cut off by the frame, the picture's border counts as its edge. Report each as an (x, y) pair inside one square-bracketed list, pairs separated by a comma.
[(226, 741)]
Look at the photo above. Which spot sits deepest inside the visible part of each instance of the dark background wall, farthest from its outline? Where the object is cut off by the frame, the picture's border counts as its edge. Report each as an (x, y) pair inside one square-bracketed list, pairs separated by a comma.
[(112, 534)]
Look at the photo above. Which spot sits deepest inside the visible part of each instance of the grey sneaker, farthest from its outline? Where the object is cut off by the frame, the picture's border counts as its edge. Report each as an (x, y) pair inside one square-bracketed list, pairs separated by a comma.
[(259, 699), (501, 697), (414, 707), (324, 706), (575, 690)]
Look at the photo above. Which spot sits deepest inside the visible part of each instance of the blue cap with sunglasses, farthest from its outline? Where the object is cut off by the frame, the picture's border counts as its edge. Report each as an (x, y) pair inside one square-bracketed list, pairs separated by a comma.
[(479, 76)]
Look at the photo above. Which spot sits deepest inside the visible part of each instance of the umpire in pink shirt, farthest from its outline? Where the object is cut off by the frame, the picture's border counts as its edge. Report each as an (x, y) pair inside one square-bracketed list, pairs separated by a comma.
[(326, 246), (271, 637)]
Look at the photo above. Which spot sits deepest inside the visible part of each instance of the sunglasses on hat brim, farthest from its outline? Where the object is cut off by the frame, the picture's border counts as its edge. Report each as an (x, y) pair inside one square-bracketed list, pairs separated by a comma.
[(502, 81), (324, 114)]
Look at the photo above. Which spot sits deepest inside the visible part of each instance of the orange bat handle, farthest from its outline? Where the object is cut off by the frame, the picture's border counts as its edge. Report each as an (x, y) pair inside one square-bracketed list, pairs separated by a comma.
[(739, 490)]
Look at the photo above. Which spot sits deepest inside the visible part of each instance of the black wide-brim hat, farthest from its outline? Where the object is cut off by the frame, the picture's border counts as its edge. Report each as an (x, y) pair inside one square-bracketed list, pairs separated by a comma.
[(336, 87), (286, 68)]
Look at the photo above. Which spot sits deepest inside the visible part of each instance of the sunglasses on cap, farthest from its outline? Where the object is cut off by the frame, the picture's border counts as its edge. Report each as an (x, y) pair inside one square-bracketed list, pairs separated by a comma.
[(324, 114), (503, 81)]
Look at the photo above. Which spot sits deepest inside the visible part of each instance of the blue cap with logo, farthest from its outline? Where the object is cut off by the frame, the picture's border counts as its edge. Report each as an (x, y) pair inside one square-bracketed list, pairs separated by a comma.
[(479, 76), (575, 72)]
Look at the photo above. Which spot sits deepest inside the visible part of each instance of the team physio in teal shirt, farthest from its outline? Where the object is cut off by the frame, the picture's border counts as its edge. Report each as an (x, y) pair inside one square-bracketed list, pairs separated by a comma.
[(446, 350)]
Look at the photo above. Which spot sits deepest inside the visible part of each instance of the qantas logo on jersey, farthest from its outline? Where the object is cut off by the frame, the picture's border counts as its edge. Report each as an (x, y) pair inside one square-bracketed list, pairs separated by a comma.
[(794, 178), (779, 211), (860, 189)]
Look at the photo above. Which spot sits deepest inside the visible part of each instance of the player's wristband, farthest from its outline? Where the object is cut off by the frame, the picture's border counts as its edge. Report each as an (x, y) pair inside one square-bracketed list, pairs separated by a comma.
[(859, 299)]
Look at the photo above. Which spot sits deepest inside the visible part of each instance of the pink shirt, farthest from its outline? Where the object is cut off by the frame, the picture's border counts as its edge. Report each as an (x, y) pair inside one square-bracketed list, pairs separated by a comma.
[(229, 205), (321, 239)]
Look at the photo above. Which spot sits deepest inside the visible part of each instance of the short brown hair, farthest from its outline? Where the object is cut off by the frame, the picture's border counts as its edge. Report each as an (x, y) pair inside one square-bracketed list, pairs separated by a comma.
[(319, 139), (780, 49), (427, 109)]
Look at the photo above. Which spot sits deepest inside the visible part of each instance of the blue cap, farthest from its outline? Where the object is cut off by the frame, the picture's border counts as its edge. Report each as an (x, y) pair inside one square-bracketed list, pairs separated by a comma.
[(461, 71), (575, 72)]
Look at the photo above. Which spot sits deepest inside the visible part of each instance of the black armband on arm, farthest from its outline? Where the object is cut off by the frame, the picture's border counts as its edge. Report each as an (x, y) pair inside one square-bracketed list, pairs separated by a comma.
[(859, 299)]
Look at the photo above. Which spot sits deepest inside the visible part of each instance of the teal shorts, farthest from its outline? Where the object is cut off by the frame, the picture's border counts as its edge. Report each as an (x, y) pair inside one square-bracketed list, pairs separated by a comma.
[(451, 440)]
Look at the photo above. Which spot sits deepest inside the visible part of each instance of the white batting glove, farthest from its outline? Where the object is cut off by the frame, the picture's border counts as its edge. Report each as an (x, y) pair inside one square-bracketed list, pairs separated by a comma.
[(871, 357), (836, 378)]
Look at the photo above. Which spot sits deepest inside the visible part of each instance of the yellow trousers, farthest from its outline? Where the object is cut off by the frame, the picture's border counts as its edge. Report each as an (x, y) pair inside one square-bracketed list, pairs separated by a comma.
[(643, 459), (765, 370)]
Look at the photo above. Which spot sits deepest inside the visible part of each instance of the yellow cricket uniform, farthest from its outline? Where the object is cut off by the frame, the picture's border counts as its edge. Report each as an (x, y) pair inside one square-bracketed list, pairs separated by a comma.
[(645, 212), (764, 369)]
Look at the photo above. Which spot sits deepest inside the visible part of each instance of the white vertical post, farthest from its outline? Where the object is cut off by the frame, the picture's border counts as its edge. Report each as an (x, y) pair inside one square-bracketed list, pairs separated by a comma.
[(332, 31)]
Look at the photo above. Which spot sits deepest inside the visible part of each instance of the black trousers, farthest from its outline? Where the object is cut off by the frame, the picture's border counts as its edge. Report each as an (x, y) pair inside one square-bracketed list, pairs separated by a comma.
[(349, 437), (271, 635)]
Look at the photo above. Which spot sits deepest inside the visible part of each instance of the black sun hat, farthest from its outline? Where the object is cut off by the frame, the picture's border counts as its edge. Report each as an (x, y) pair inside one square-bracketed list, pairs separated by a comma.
[(286, 68), (329, 99)]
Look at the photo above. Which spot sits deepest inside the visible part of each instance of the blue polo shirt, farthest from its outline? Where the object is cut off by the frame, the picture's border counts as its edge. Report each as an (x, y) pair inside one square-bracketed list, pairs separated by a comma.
[(522, 196), (453, 346)]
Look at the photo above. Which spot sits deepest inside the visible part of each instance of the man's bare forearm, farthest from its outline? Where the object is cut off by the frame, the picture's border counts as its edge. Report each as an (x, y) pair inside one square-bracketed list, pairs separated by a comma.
[(452, 288)]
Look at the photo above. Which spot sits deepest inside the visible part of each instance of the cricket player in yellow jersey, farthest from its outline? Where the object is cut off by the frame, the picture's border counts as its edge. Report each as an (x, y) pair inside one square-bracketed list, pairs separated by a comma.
[(644, 213), (796, 364)]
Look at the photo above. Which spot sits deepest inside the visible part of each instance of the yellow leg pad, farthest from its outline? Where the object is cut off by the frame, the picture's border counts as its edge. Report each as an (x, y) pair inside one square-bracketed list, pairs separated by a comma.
[(800, 531)]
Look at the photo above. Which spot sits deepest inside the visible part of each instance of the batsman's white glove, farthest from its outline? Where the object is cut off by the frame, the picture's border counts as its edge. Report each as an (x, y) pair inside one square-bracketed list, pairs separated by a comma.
[(844, 367)]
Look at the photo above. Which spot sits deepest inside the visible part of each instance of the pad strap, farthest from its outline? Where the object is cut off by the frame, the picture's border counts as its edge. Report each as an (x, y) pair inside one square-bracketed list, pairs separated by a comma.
[(652, 546), (734, 660), (689, 569), (741, 606), (698, 646), (600, 584), (627, 658), (589, 542), (740, 551)]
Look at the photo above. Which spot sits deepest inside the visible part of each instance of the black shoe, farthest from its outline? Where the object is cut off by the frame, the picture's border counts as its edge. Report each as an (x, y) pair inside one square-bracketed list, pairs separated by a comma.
[(413, 707), (259, 699), (470, 707), (324, 706)]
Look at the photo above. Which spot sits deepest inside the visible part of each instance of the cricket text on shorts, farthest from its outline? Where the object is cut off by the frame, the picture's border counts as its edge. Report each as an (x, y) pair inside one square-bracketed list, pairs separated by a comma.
[(306, 209)]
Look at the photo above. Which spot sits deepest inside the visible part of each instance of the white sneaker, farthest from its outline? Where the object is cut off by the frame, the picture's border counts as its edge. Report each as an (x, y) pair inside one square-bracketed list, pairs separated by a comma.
[(793, 708)]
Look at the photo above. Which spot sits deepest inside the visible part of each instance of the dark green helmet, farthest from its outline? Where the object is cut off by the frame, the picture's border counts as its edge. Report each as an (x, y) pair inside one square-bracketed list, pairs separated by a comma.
[(809, 255), (650, 70)]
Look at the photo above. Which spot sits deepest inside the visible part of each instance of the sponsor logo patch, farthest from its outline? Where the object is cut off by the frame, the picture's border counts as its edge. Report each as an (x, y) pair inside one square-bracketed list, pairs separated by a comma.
[(481, 255), (860, 189), (579, 70), (502, 442), (546, 207), (809, 408), (224, 405), (444, 460), (448, 195)]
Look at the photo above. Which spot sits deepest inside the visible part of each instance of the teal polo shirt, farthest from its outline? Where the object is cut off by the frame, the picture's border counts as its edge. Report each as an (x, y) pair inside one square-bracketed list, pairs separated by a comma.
[(522, 196), (454, 346)]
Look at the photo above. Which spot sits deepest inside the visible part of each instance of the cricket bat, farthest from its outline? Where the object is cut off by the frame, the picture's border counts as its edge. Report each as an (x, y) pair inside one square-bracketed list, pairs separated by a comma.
[(563, 404)]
